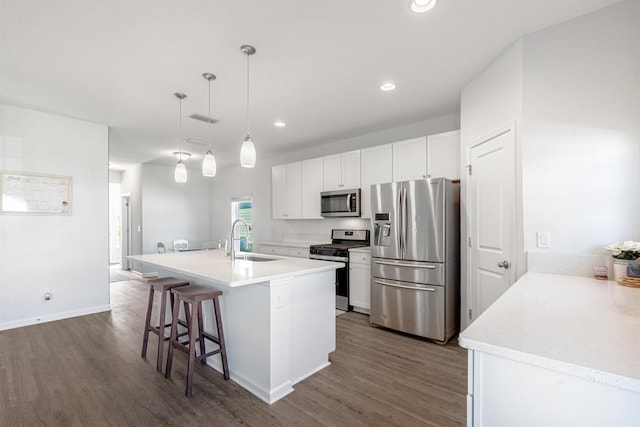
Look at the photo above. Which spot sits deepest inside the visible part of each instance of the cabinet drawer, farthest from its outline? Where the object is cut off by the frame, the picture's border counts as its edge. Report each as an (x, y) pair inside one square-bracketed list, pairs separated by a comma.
[(299, 252), (274, 250), (359, 258)]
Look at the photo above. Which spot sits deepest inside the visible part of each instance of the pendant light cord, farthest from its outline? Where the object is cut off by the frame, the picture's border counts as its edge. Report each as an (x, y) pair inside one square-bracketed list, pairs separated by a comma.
[(180, 127), (248, 93), (209, 118)]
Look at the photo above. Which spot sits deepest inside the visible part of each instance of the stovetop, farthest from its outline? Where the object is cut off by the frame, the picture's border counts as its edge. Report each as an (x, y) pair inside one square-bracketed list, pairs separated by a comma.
[(342, 241)]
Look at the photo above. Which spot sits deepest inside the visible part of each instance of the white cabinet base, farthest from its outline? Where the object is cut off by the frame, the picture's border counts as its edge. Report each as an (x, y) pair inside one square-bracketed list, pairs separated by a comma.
[(504, 392)]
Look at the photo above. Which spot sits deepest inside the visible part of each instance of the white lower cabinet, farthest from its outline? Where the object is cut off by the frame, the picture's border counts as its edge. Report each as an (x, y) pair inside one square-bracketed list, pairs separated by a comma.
[(360, 280), (294, 251), (506, 392)]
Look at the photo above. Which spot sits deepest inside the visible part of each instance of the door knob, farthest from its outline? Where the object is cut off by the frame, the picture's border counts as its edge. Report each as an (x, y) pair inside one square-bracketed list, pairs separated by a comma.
[(504, 264)]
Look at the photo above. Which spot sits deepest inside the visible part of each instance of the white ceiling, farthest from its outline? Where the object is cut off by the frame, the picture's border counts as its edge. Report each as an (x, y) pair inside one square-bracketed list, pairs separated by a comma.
[(318, 65)]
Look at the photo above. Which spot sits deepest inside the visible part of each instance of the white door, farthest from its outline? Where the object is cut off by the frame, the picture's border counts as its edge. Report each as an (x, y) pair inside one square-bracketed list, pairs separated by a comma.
[(126, 232), (491, 219)]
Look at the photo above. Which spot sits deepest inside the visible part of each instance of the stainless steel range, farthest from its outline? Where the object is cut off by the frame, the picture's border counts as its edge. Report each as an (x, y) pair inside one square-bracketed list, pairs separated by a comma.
[(338, 250)]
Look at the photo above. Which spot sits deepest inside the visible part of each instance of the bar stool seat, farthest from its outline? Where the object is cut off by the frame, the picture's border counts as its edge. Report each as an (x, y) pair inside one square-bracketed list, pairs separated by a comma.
[(194, 296), (164, 286)]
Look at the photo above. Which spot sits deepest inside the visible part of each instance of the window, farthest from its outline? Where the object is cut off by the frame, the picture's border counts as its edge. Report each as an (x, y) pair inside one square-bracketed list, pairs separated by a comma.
[(242, 208)]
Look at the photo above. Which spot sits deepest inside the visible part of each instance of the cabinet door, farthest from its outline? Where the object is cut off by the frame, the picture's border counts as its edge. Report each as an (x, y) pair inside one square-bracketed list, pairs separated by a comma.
[(410, 159), (351, 170), (294, 191), (332, 172), (359, 289), (312, 186), (279, 192), (443, 155), (376, 169)]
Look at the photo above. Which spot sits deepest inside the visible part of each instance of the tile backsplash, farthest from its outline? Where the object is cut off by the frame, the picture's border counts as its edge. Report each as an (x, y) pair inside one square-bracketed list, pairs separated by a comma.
[(568, 264)]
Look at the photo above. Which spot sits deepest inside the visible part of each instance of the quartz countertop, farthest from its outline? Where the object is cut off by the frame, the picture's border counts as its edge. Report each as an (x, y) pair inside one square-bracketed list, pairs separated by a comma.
[(215, 266), (576, 325)]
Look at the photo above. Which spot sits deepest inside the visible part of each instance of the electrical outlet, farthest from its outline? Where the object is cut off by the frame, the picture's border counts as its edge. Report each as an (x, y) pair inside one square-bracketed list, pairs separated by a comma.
[(543, 239), (48, 294)]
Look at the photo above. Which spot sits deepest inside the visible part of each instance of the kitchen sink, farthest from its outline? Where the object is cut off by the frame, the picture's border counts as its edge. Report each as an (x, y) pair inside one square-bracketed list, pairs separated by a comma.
[(254, 258)]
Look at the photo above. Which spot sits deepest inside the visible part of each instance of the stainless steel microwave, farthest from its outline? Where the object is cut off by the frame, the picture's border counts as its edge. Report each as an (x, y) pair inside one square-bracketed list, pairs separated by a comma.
[(340, 203)]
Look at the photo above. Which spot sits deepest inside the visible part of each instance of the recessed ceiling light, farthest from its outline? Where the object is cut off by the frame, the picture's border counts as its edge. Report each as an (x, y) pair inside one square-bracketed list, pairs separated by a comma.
[(422, 5), (387, 86), (279, 124)]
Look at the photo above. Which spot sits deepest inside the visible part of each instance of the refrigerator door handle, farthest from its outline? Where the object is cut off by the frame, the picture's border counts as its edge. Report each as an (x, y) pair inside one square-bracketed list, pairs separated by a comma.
[(404, 221), (395, 264), (395, 285), (401, 223)]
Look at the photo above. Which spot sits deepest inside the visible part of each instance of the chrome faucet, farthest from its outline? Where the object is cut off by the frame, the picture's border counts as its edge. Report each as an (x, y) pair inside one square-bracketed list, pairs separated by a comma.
[(231, 252)]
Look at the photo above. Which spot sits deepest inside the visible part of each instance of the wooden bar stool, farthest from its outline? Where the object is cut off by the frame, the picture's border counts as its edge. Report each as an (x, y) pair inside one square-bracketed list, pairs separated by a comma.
[(194, 295), (164, 286)]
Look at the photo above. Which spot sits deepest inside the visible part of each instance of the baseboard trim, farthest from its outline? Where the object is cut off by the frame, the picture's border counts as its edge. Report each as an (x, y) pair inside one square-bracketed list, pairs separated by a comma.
[(53, 317)]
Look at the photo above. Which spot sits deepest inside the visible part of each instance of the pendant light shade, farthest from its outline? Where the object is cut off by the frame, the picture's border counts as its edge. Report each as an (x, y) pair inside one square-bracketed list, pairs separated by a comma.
[(248, 153), (180, 174), (209, 162), (248, 149), (209, 166)]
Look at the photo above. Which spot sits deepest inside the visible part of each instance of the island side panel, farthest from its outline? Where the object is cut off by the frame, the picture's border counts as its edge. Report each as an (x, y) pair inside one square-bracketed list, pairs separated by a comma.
[(508, 392), (246, 316), (313, 323)]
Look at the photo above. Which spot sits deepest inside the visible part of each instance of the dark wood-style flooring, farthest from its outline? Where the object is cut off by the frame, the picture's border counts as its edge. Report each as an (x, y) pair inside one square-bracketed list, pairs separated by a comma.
[(87, 371)]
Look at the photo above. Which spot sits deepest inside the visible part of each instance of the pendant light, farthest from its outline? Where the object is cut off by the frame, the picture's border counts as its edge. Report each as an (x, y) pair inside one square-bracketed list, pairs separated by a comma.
[(209, 162), (248, 150), (180, 174)]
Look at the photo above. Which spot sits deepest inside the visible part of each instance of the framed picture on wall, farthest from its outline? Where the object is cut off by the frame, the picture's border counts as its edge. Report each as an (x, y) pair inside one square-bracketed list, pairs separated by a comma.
[(34, 193)]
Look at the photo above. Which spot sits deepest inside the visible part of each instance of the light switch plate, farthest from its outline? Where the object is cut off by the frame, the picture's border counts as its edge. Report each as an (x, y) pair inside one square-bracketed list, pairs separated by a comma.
[(543, 239)]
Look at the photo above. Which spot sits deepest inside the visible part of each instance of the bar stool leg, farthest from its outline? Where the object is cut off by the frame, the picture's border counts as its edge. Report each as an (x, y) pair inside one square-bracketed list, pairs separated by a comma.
[(172, 336), (161, 330), (223, 349), (147, 323), (192, 347), (201, 334)]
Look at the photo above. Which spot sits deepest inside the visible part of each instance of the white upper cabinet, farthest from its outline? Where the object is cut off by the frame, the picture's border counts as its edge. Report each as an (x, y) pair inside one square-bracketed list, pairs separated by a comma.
[(342, 171), (410, 159), (443, 155), (286, 191), (312, 186), (376, 169)]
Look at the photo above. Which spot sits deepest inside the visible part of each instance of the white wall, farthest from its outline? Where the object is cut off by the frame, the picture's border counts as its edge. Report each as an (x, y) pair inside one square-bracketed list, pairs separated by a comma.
[(237, 181), (581, 135), (66, 254), (574, 92), (490, 101), (132, 185), (172, 210)]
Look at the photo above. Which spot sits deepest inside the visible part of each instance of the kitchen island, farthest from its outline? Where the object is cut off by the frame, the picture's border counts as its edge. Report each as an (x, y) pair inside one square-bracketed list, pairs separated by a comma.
[(278, 314), (556, 350)]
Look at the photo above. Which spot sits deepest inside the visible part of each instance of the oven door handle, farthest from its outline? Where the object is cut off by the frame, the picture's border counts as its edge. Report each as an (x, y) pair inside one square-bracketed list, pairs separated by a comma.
[(328, 258), (395, 285), (397, 264)]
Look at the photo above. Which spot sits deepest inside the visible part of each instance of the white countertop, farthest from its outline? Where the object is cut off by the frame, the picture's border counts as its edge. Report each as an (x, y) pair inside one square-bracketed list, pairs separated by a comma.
[(216, 267), (577, 325)]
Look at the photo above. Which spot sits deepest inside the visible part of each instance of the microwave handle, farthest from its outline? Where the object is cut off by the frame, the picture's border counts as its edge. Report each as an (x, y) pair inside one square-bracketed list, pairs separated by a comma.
[(348, 202)]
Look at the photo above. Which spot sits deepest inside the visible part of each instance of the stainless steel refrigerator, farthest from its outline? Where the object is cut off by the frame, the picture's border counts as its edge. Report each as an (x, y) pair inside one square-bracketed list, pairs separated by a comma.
[(415, 265)]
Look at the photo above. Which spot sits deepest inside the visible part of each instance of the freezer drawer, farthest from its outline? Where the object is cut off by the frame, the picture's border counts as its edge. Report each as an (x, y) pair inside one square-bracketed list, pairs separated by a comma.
[(407, 307), (431, 273)]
